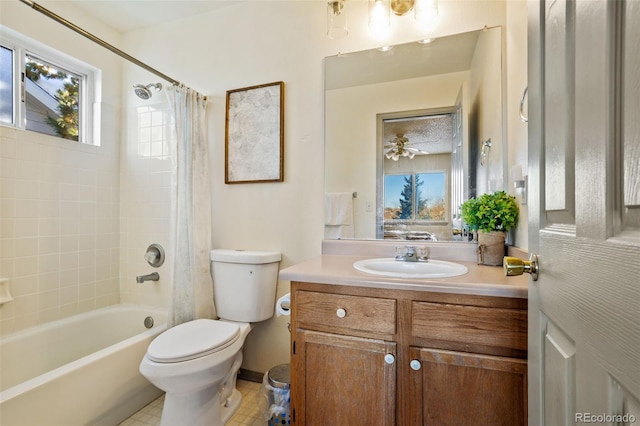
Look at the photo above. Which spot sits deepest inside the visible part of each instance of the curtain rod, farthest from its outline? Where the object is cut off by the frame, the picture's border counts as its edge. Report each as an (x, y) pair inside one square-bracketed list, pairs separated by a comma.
[(98, 40)]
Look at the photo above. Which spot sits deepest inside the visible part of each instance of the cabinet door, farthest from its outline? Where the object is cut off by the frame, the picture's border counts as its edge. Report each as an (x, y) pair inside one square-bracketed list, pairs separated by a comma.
[(454, 388), (343, 380)]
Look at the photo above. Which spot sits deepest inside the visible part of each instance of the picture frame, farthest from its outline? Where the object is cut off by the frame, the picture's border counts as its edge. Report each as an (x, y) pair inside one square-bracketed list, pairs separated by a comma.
[(254, 134)]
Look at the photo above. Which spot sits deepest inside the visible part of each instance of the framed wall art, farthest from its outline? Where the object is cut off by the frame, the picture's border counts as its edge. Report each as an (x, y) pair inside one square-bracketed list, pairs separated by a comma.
[(254, 134)]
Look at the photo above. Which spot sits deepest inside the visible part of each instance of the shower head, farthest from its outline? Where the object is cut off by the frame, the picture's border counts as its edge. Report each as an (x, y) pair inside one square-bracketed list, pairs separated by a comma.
[(143, 91)]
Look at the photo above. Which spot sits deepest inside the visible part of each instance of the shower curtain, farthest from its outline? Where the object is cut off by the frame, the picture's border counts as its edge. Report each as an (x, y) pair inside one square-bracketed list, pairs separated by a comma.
[(192, 296)]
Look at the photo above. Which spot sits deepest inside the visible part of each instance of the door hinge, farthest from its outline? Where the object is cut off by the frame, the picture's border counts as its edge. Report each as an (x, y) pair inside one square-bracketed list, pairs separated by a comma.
[(293, 415), (293, 347)]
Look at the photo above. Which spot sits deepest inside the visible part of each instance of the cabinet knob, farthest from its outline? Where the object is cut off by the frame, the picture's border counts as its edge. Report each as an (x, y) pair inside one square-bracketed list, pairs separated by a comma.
[(389, 359), (415, 364), (341, 313)]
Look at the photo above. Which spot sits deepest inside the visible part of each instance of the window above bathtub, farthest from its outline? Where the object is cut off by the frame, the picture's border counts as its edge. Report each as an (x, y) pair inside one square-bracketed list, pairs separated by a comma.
[(47, 91)]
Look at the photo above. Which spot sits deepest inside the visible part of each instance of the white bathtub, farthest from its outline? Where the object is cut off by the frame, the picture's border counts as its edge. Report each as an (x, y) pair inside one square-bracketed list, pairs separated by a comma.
[(78, 370)]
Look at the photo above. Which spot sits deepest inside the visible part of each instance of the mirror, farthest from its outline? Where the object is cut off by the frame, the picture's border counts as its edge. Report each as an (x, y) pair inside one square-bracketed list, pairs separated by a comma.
[(410, 133)]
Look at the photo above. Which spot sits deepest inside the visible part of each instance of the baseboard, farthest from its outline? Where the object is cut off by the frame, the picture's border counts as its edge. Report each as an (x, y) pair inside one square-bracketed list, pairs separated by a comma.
[(251, 376)]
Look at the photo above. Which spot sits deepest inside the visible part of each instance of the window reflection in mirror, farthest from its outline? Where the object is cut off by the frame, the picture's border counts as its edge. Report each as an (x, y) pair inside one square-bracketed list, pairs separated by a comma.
[(418, 196), (416, 168)]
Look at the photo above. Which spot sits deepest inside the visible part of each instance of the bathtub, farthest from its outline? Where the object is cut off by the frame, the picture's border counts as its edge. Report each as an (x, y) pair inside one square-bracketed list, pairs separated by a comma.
[(78, 370)]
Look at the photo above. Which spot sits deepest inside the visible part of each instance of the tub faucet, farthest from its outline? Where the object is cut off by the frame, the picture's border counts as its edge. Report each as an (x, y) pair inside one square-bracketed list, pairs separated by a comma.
[(154, 276)]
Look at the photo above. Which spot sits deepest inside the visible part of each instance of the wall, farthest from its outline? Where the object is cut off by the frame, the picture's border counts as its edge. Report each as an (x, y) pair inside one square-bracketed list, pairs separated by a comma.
[(60, 199), (252, 43), (516, 40), (485, 116), (146, 177)]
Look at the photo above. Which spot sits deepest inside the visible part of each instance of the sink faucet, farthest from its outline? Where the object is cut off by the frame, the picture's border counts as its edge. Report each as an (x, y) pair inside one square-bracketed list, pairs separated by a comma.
[(412, 254), (154, 276)]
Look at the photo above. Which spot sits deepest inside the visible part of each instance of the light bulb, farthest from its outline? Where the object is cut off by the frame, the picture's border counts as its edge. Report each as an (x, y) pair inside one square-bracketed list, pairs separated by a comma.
[(379, 18), (426, 13)]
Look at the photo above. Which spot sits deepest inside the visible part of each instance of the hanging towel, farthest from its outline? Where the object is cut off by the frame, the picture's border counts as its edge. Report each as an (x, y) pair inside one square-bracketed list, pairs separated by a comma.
[(338, 208), (338, 215), (336, 232)]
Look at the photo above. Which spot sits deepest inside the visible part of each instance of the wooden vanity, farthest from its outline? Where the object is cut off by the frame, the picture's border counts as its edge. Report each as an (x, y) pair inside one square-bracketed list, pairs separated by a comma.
[(371, 350)]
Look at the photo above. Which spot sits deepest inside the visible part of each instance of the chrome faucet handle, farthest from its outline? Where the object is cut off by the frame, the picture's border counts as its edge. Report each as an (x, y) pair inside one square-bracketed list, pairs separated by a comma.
[(401, 252), (423, 254)]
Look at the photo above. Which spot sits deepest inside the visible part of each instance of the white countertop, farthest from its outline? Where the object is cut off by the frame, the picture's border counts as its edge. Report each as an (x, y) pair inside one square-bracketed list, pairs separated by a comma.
[(339, 270)]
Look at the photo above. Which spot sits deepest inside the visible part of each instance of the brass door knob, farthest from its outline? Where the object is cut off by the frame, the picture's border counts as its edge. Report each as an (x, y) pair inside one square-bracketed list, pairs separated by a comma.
[(516, 266)]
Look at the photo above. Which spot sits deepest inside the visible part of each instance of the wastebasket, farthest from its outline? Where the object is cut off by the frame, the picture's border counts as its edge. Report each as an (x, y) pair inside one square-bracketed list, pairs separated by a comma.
[(277, 395)]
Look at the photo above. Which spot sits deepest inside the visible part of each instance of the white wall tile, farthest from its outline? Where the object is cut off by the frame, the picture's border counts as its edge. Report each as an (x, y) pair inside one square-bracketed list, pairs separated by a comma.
[(25, 247)]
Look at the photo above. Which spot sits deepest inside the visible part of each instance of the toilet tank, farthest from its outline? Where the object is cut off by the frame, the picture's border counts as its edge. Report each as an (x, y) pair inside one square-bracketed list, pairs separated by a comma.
[(244, 284)]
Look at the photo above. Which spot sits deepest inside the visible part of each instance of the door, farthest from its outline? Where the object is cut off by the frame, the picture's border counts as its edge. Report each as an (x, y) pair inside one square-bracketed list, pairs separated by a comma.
[(481, 389), (343, 380), (584, 218)]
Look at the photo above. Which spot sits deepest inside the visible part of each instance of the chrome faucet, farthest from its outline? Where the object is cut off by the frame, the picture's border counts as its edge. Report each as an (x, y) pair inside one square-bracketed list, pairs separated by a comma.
[(412, 254), (154, 276)]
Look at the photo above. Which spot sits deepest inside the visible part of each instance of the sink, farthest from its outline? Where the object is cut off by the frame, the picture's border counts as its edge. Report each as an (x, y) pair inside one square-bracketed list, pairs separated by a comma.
[(389, 267)]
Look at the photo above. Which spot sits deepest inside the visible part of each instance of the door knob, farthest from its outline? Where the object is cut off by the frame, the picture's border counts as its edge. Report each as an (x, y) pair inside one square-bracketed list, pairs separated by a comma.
[(516, 266)]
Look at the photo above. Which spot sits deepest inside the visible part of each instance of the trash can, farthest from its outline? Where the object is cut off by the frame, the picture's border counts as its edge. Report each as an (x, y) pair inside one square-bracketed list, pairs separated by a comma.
[(277, 395)]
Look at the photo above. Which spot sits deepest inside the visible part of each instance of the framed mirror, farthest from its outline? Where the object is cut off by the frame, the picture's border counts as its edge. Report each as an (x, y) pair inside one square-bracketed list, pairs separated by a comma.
[(404, 130)]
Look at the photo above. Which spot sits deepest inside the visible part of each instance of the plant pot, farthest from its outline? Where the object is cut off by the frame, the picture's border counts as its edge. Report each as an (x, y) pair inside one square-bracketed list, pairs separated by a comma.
[(491, 247)]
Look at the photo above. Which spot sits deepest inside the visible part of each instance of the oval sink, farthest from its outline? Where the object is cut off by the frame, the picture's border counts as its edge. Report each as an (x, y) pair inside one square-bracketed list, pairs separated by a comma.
[(390, 267)]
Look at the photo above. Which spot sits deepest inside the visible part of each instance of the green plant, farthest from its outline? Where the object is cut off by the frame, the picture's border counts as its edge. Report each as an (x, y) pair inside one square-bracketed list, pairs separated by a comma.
[(491, 212)]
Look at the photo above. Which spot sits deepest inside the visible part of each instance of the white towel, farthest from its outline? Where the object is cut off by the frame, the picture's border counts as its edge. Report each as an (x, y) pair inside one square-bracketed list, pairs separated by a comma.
[(336, 232), (338, 208)]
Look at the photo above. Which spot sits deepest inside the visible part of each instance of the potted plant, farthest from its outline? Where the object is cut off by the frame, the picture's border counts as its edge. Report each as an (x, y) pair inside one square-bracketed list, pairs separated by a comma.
[(492, 215)]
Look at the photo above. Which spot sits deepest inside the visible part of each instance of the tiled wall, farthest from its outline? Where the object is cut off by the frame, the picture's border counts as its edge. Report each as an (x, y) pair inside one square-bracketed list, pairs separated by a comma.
[(59, 235), (76, 219), (146, 179)]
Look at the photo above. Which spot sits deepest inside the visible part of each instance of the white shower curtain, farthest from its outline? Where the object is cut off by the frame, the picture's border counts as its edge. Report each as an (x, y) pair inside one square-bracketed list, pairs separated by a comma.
[(191, 222)]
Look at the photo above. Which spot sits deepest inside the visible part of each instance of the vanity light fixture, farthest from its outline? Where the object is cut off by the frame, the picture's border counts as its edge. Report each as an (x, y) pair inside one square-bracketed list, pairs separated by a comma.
[(379, 18), (337, 26), (425, 14)]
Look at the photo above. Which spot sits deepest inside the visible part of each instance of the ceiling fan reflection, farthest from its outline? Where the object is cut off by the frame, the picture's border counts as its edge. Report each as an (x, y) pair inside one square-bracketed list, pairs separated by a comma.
[(400, 147)]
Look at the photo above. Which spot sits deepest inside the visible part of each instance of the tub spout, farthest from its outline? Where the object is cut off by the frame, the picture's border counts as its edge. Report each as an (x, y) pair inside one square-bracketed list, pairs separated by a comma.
[(150, 277)]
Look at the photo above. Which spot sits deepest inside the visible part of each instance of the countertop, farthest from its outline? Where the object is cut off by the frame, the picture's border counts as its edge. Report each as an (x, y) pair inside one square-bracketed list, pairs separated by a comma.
[(339, 270)]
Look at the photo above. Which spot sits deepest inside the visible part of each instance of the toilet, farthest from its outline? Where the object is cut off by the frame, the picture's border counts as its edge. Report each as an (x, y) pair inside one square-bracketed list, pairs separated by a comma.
[(196, 362)]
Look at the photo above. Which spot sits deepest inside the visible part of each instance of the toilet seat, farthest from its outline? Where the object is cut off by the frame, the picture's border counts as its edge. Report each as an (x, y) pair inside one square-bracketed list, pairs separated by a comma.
[(191, 340)]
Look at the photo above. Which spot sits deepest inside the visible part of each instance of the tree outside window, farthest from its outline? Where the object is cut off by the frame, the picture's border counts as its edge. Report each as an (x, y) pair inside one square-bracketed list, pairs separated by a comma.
[(419, 196), (52, 98)]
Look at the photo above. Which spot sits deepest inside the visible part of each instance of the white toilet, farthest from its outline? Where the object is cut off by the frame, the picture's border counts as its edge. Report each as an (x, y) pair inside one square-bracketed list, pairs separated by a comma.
[(196, 362)]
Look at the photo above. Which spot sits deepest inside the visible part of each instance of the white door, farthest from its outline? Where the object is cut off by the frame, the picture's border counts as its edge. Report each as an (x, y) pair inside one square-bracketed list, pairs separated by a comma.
[(584, 217)]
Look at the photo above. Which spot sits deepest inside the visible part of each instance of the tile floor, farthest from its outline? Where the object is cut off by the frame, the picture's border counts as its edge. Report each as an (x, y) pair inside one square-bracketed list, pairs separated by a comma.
[(247, 415)]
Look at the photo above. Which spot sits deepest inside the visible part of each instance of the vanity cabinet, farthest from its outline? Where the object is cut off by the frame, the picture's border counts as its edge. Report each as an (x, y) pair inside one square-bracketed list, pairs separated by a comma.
[(371, 356)]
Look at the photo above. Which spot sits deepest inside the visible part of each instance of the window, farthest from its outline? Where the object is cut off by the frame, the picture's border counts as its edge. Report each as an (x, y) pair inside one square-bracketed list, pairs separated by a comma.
[(415, 196), (46, 91), (6, 85)]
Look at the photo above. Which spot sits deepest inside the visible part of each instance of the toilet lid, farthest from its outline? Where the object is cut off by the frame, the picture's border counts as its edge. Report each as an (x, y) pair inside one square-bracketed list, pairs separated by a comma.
[(192, 339)]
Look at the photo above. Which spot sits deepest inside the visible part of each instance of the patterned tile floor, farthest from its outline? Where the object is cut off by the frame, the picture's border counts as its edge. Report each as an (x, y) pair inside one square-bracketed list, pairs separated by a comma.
[(247, 415)]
